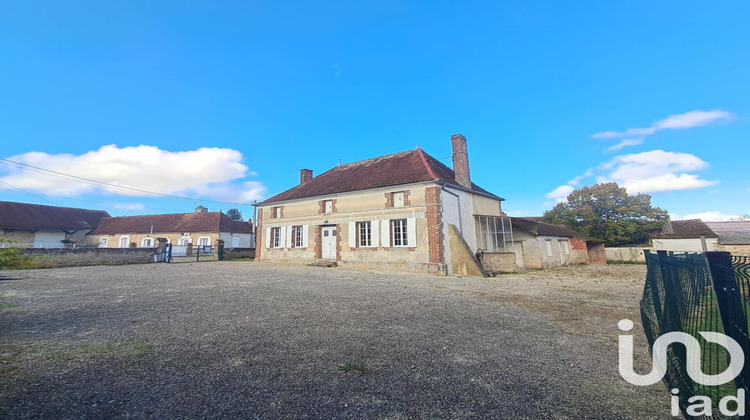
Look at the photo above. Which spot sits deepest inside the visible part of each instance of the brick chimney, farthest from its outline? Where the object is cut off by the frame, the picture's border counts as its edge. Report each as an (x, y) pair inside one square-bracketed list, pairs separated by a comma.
[(461, 160), (305, 175)]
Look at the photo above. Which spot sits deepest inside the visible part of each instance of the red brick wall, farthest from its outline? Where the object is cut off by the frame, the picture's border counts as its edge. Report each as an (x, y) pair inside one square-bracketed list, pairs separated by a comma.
[(597, 254), (434, 228), (578, 244)]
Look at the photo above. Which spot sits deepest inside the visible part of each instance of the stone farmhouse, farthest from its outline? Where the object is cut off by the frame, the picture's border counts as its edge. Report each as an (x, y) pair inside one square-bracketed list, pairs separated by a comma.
[(37, 226), (199, 229), (405, 211)]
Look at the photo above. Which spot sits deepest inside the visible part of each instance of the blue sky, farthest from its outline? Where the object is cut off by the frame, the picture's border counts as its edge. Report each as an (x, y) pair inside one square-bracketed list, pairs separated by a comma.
[(225, 102)]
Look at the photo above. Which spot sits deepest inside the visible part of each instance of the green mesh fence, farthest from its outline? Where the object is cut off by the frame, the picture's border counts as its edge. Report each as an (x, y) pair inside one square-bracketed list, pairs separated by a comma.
[(692, 292)]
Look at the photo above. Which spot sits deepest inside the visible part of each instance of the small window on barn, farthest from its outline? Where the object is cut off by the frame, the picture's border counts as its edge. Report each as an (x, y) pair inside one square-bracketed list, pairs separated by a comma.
[(548, 243)]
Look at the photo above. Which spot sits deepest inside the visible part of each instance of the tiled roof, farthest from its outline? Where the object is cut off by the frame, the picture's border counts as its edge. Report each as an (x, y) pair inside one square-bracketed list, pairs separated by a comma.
[(684, 229), (397, 169), (34, 216), (732, 233), (166, 223), (537, 227)]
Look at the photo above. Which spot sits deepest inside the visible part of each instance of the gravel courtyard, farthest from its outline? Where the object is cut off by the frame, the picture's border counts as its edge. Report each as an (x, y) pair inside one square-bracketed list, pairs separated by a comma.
[(252, 340)]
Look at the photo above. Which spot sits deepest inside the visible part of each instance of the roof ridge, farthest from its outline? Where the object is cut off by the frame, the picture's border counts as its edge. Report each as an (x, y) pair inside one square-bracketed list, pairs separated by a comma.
[(427, 165), (373, 158)]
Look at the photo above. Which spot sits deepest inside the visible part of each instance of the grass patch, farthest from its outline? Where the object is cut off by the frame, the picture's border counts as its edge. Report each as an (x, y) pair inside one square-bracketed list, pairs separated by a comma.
[(357, 367)]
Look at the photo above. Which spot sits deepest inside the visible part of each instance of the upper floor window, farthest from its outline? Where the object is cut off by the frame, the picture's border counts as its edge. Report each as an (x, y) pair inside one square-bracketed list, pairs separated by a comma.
[(275, 212), (400, 234), (398, 199), (328, 206)]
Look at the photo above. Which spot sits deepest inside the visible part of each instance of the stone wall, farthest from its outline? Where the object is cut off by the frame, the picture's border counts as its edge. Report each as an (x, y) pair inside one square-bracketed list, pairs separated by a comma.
[(235, 253), (626, 254), (501, 262), (59, 257)]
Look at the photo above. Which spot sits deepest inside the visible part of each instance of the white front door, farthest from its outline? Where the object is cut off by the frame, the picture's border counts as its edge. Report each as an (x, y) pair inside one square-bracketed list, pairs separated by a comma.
[(329, 242)]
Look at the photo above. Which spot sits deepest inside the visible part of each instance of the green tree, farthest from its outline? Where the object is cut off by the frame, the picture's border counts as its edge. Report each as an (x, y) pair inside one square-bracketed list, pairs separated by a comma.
[(234, 214), (607, 212)]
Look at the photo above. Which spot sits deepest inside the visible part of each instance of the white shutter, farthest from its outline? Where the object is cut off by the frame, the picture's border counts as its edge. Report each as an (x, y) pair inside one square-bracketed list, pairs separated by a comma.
[(352, 235), (268, 237), (375, 233), (286, 237), (385, 233), (304, 235), (411, 232)]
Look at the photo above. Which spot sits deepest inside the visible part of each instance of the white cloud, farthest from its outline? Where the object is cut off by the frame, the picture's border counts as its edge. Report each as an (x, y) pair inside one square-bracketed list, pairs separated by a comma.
[(212, 172), (128, 206), (654, 171), (673, 122), (623, 143), (560, 193), (709, 216)]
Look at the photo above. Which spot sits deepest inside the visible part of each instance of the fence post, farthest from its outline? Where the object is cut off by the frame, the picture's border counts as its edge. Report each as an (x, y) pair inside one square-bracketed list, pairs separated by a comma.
[(729, 302), (169, 253)]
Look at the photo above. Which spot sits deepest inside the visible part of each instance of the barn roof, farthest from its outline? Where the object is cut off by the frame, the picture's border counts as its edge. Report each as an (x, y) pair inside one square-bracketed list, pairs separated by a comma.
[(179, 222), (35, 216)]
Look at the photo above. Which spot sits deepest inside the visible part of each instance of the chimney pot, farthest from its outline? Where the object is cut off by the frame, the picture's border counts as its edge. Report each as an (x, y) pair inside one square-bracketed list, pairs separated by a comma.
[(305, 175), (461, 160)]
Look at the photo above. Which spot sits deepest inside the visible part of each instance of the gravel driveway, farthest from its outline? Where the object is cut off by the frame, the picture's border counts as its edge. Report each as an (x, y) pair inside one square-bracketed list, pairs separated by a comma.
[(250, 340)]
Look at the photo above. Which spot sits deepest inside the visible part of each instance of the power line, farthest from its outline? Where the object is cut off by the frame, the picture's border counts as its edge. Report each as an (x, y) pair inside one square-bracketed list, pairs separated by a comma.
[(121, 187), (30, 193)]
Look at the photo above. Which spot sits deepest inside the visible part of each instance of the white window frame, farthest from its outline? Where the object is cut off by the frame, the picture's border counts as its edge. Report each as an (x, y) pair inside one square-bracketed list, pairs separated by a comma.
[(150, 243), (400, 233), (104, 242), (364, 234), (327, 206), (185, 240), (206, 239), (126, 240), (548, 244), (298, 236), (566, 246)]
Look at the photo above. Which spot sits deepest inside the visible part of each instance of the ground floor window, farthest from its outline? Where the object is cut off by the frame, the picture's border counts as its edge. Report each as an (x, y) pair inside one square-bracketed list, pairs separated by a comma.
[(364, 230), (298, 236), (400, 234), (275, 237), (494, 234), (204, 241), (103, 242), (147, 243)]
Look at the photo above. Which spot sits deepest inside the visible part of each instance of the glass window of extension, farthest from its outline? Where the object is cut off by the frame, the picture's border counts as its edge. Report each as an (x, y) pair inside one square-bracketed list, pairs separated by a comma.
[(400, 235), (364, 230)]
